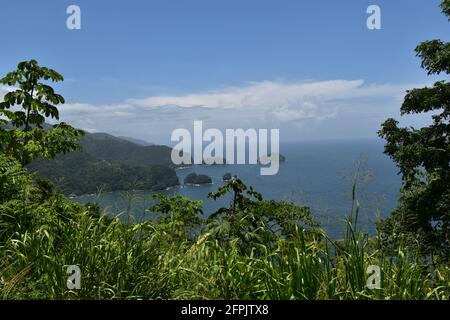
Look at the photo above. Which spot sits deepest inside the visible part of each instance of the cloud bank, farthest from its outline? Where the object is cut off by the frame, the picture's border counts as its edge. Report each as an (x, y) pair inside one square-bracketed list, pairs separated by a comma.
[(270, 94), (316, 109)]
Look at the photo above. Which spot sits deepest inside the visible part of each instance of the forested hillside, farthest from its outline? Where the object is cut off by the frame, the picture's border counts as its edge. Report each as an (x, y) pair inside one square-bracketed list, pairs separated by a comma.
[(109, 163)]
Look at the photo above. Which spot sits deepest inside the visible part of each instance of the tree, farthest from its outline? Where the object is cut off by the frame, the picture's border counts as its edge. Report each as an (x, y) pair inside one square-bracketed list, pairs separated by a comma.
[(255, 224), (177, 217), (423, 156), (24, 111)]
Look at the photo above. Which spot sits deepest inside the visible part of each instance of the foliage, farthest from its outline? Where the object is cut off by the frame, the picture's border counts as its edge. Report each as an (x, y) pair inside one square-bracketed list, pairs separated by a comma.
[(178, 217), (251, 221), (109, 163), (423, 156), (82, 174), (175, 255), (103, 146), (24, 137)]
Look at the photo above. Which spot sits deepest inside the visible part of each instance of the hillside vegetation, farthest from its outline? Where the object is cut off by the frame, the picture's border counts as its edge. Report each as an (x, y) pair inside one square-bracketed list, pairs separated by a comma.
[(253, 249), (109, 163)]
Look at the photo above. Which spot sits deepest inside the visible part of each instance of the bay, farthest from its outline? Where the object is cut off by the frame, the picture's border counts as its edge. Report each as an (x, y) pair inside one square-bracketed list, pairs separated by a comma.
[(317, 174)]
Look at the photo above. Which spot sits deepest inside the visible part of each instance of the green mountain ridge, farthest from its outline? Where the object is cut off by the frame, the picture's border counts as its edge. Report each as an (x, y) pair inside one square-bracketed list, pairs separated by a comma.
[(136, 141), (109, 163)]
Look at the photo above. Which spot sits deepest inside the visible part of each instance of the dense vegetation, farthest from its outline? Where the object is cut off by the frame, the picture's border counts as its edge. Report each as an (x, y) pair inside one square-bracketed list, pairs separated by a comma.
[(82, 174), (423, 156), (193, 178), (108, 163), (22, 132), (254, 249), (136, 141)]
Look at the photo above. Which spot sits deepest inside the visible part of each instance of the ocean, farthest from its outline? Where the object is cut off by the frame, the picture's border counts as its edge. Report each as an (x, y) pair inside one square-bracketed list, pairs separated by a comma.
[(317, 174)]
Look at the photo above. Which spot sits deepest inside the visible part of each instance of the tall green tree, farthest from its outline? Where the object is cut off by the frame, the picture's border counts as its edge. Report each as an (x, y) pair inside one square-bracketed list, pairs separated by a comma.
[(255, 224), (423, 156), (24, 111)]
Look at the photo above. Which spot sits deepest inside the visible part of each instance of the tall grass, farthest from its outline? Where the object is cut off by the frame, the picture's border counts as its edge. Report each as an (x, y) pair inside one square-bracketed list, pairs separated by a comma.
[(143, 261)]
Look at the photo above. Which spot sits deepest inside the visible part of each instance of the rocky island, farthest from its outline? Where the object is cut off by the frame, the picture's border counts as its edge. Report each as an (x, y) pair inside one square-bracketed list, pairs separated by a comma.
[(266, 159), (197, 179)]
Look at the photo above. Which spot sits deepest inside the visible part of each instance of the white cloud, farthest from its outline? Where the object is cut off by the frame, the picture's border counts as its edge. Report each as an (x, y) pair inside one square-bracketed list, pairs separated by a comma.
[(4, 90), (269, 94), (277, 101), (321, 108)]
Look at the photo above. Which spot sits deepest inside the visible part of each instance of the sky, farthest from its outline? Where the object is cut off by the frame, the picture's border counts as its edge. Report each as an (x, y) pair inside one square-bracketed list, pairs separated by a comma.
[(142, 69)]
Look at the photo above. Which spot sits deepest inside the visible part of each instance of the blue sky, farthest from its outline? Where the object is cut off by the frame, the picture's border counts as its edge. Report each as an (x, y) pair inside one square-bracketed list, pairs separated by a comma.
[(144, 68)]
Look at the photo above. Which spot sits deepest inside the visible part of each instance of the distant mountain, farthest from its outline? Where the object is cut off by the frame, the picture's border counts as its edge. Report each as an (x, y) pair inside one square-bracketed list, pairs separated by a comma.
[(104, 146), (136, 141), (111, 163)]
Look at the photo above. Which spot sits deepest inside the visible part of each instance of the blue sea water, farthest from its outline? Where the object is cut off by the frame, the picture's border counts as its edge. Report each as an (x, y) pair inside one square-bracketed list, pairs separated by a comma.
[(317, 174)]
